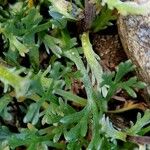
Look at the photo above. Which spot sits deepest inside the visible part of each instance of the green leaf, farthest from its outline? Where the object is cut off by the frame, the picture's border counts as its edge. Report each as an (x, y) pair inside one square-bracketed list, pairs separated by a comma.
[(4, 101), (123, 69), (15, 44), (57, 137), (130, 91), (73, 145), (72, 118), (126, 8), (110, 131), (107, 78), (34, 57), (67, 41), (140, 123), (41, 146), (84, 125), (73, 133), (50, 118), (32, 114), (59, 22), (103, 19), (90, 55), (133, 82), (65, 8), (32, 19), (52, 43), (4, 133), (10, 76)]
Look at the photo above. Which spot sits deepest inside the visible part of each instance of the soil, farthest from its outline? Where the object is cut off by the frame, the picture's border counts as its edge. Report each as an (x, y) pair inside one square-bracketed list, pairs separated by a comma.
[(110, 50)]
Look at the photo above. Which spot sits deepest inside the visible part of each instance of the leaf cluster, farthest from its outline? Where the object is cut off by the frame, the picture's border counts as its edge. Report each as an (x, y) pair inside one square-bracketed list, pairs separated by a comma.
[(40, 100)]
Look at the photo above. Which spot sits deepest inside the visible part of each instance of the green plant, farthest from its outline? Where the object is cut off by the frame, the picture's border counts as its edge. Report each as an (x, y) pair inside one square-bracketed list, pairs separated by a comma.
[(51, 113), (128, 7)]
